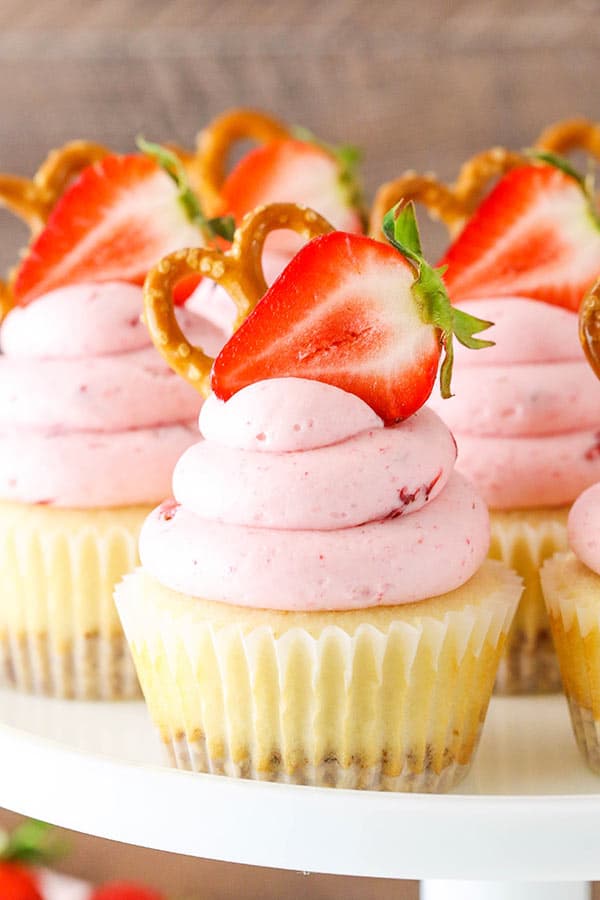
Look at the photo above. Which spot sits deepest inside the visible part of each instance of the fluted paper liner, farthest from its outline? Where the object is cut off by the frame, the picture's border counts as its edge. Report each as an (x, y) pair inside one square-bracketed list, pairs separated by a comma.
[(60, 634), (523, 539), (386, 698), (572, 595)]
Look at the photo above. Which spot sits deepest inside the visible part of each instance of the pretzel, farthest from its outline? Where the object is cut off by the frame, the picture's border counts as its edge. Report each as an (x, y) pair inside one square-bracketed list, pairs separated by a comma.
[(453, 203), (33, 200), (238, 270), (589, 327), (214, 144), (571, 134)]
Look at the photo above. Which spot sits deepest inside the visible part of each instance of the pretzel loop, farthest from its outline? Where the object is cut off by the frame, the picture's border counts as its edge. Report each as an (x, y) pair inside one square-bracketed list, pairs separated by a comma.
[(571, 134), (454, 203), (589, 327), (32, 200), (214, 144), (238, 270)]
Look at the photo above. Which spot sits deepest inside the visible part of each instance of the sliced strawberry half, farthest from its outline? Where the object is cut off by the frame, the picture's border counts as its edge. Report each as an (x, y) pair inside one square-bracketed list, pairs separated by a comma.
[(356, 313), (112, 224), (536, 235), (297, 171)]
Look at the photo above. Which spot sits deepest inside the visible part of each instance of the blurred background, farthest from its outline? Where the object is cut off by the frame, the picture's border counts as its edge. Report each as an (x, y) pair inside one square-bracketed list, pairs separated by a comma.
[(415, 84)]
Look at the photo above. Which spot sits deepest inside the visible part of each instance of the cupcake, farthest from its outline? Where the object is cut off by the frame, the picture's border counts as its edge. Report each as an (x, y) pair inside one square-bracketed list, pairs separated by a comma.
[(571, 584), (91, 424), (314, 604), (525, 415)]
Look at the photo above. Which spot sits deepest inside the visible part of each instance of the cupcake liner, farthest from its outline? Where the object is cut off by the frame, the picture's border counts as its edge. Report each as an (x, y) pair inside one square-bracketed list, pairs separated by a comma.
[(391, 698), (572, 595), (523, 539), (60, 634)]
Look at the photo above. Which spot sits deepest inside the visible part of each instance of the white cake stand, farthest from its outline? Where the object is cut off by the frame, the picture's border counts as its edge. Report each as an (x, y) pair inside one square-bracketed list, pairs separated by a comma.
[(525, 823)]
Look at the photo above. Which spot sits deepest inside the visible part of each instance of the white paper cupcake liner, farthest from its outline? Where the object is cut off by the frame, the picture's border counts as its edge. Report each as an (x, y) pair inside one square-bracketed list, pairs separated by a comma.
[(60, 634), (390, 698), (523, 539), (572, 595)]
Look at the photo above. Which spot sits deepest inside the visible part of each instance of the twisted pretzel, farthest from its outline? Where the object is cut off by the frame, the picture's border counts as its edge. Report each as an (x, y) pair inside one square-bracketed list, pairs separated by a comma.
[(214, 144), (589, 327), (571, 134), (453, 203), (238, 270), (33, 200)]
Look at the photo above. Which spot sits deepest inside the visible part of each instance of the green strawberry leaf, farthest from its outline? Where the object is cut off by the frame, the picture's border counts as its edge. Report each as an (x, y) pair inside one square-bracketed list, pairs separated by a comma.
[(223, 226), (559, 162), (348, 158), (585, 182), (31, 842), (401, 229)]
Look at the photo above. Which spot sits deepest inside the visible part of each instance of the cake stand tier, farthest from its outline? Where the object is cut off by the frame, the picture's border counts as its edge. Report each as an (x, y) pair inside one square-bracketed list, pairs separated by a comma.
[(528, 811)]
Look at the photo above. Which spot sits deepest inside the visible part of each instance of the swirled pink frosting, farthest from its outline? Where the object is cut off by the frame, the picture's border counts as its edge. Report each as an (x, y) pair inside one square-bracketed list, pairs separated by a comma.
[(584, 528), (526, 412), (90, 415), (298, 498)]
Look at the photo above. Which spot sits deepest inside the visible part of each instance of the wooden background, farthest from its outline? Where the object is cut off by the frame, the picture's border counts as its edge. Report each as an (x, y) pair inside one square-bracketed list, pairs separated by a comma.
[(416, 84)]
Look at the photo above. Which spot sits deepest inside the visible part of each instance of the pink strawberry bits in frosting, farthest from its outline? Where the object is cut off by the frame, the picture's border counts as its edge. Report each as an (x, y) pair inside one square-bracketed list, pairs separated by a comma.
[(90, 414), (298, 498), (526, 413)]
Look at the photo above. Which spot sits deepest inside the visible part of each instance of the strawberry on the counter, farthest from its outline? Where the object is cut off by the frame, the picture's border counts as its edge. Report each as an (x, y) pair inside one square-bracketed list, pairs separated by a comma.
[(29, 844), (17, 883), (114, 222), (365, 316), (537, 235)]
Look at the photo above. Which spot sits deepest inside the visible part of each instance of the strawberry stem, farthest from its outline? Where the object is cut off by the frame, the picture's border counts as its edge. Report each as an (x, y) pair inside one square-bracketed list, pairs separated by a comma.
[(223, 226), (348, 158), (401, 229), (32, 842), (585, 182)]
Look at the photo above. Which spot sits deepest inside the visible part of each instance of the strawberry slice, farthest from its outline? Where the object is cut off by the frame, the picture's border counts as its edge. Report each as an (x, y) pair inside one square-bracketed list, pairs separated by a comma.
[(297, 171), (112, 224), (536, 235), (356, 313)]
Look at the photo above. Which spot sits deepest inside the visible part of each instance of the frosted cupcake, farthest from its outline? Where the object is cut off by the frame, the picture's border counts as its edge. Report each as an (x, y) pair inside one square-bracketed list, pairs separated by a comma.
[(526, 413), (314, 604), (91, 424), (571, 584)]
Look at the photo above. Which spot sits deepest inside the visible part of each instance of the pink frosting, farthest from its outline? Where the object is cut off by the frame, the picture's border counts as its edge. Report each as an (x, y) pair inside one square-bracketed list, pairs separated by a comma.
[(526, 412), (584, 528), (273, 512), (90, 415)]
